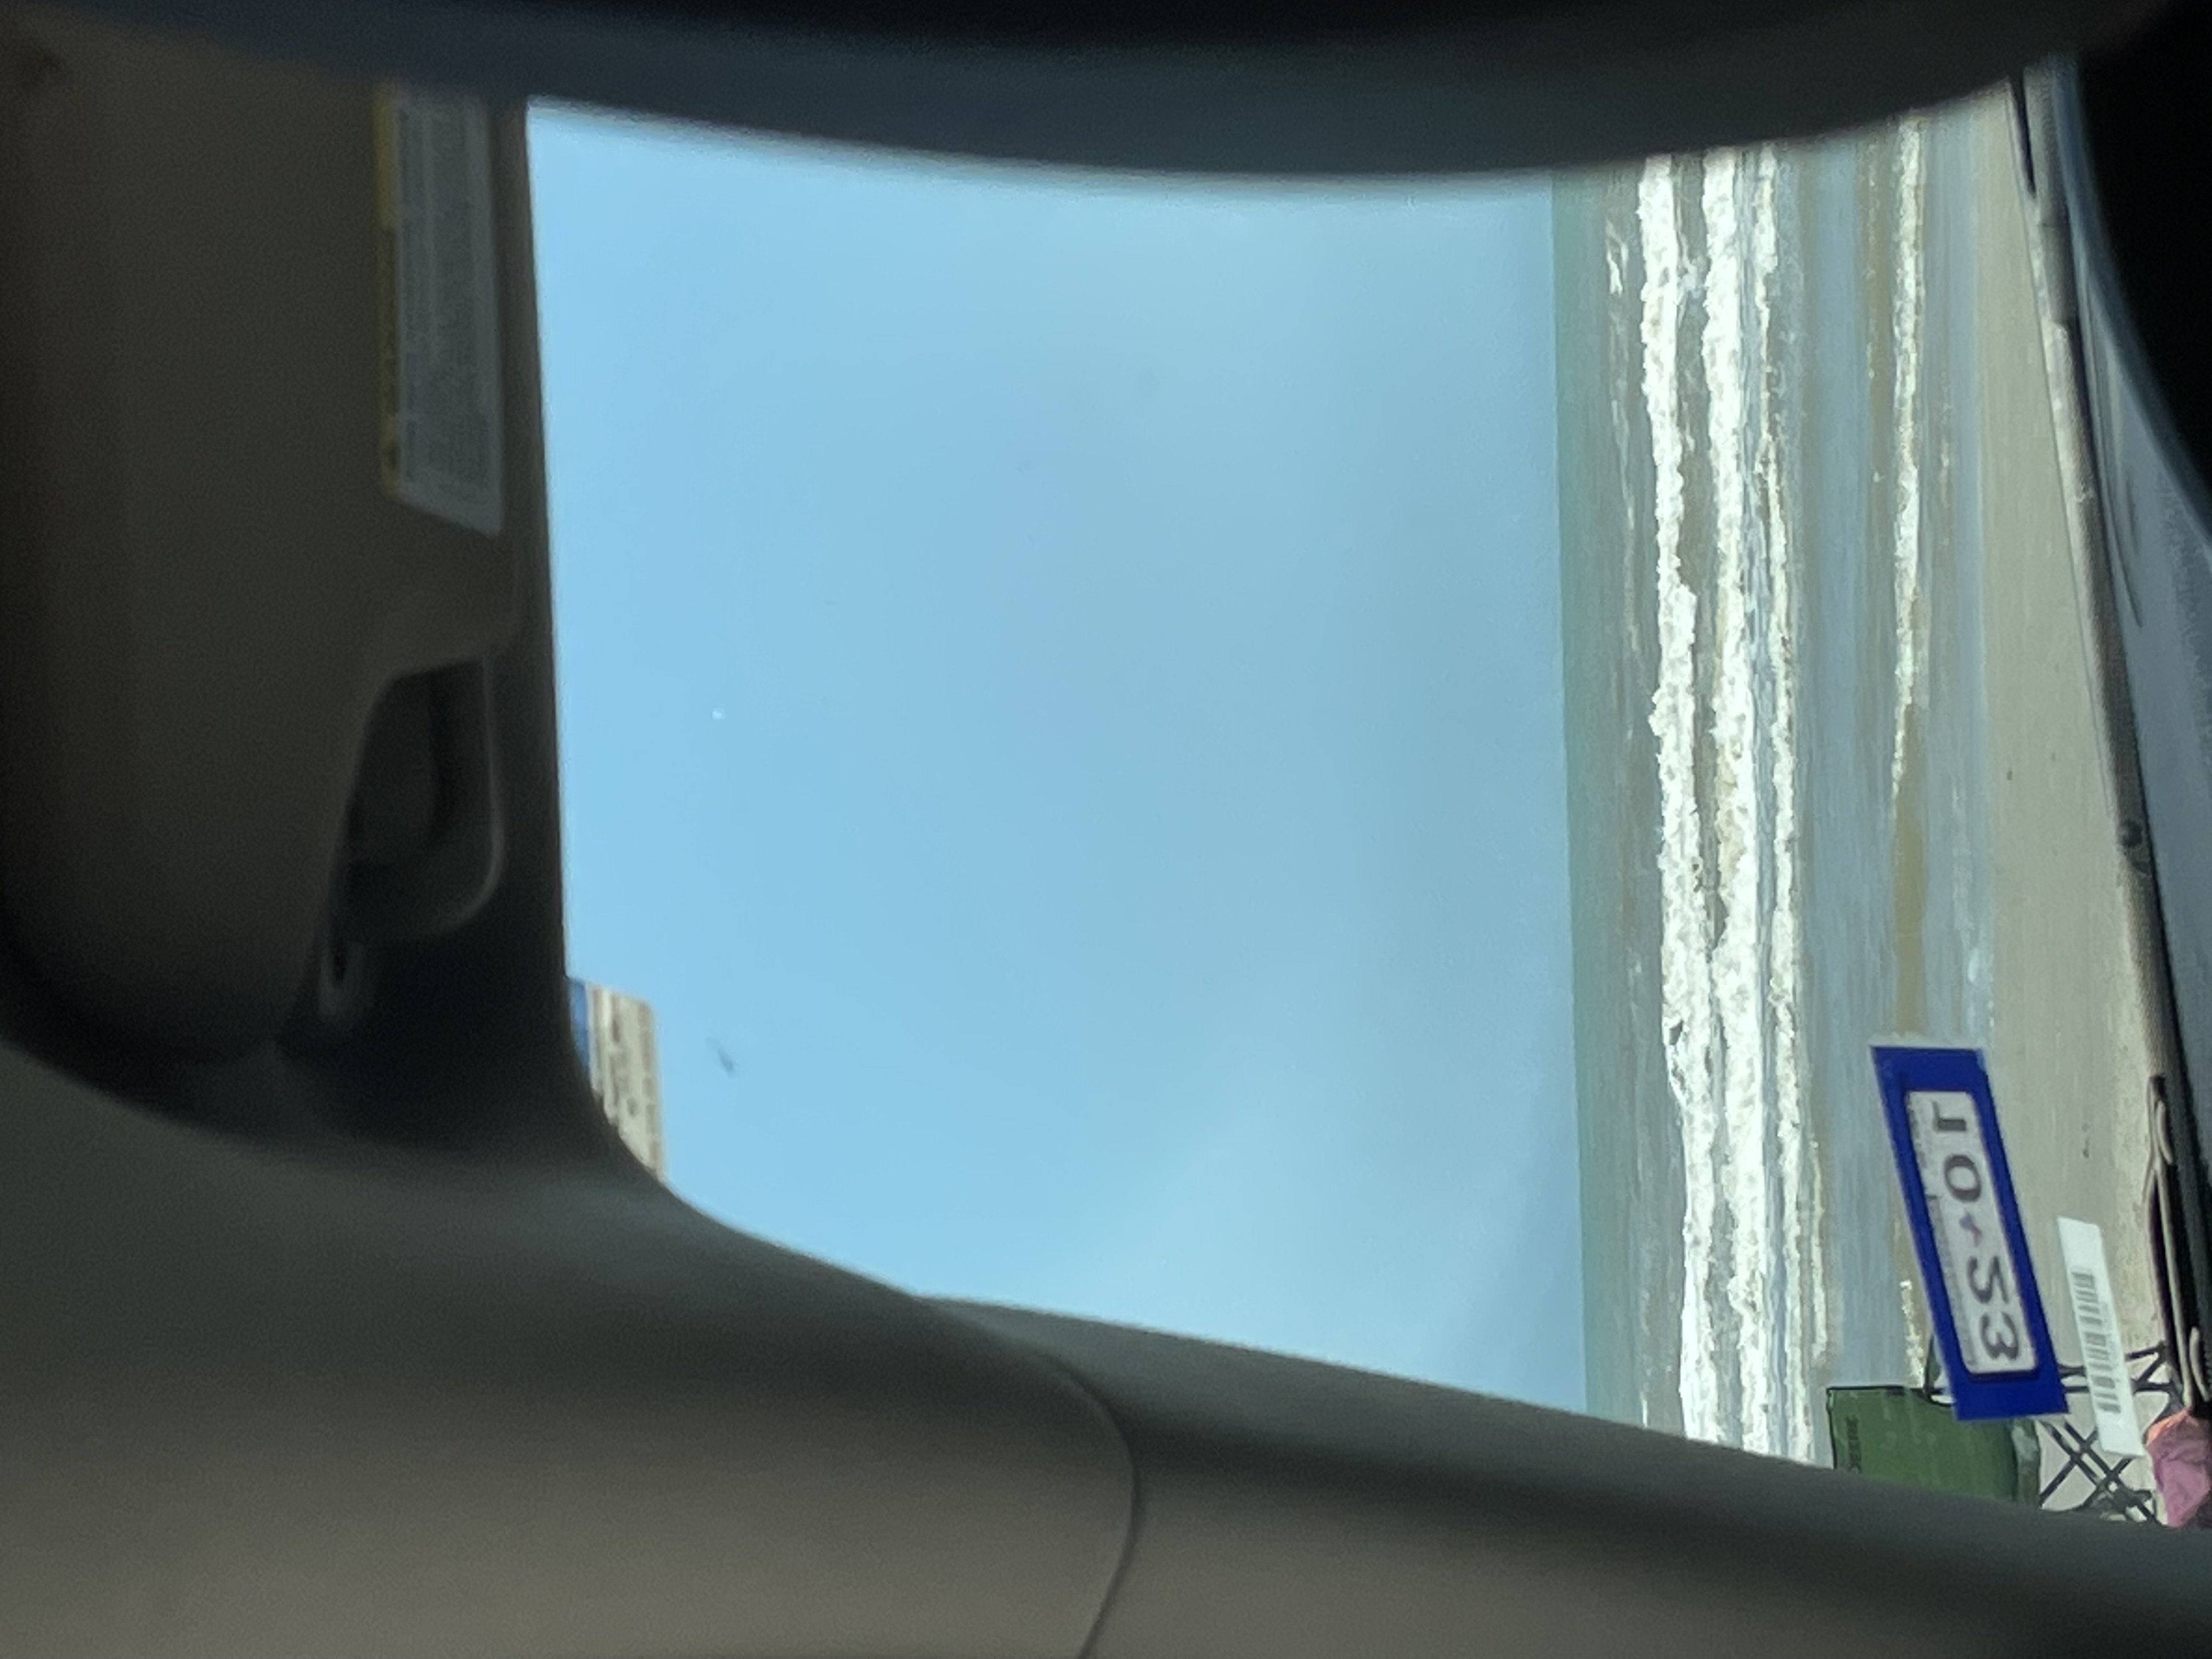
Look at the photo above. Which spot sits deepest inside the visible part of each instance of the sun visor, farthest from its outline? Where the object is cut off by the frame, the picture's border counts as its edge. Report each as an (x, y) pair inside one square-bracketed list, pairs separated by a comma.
[(270, 433)]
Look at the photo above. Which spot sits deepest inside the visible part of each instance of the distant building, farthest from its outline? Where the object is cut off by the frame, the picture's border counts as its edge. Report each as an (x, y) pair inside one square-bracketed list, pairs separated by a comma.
[(614, 1036)]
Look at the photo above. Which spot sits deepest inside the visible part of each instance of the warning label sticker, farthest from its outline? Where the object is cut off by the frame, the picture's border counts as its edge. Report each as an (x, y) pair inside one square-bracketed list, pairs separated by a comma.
[(440, 438)]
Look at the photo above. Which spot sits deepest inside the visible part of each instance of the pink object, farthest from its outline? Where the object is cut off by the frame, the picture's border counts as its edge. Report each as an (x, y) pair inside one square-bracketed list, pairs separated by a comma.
[(2180, 1448)]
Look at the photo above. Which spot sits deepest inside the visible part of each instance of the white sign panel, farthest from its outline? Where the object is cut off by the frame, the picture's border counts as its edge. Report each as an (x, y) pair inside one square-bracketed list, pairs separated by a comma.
[(2104, 1354), (1979, 1270), (616, 1041)]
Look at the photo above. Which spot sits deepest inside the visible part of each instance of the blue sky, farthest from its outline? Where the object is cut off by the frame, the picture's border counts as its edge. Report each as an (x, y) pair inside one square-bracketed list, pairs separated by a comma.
[(1060, 711)]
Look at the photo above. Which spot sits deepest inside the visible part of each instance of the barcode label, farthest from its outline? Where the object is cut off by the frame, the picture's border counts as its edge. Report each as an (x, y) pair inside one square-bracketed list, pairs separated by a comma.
[(441, 438), (2097, 1356), (2104, 1353)]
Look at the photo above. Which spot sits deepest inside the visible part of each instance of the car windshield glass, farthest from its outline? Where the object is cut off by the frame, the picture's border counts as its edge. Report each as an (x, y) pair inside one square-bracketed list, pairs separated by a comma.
[(1361, 769)]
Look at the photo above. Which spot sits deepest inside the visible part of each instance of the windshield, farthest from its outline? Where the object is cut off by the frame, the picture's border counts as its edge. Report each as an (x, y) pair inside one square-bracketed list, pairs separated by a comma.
[(1356, 769)]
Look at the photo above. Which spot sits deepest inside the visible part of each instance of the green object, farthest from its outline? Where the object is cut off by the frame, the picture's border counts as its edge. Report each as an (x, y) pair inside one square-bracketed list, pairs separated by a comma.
[(1900, 1434)]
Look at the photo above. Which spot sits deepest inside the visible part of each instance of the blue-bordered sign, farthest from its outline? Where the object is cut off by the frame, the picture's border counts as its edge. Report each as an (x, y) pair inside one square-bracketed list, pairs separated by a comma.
[(1958, 1193), (579, 1020)]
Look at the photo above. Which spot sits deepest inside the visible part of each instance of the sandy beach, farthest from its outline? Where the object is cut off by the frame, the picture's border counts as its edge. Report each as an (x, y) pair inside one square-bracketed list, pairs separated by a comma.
[(1826, 625), (2069, 1049)]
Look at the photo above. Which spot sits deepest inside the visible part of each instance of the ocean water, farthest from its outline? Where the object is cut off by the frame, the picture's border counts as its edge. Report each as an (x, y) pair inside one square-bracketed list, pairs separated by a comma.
[(1775, 763)]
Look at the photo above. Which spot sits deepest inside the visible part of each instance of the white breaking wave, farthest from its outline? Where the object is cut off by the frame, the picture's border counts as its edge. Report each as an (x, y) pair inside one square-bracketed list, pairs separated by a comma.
[(1685, 988), (1739, 1150), (1802, 1309), (1905, 305), (1752, 1318)]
